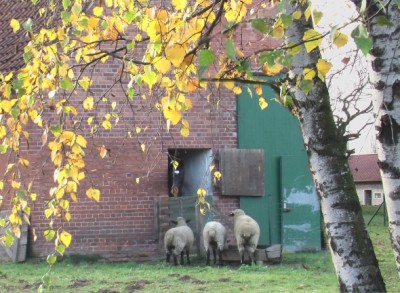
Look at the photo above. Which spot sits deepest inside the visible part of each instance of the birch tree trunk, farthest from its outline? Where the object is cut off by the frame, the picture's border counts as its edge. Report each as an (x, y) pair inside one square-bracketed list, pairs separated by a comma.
[(351, 248), (384, 71)]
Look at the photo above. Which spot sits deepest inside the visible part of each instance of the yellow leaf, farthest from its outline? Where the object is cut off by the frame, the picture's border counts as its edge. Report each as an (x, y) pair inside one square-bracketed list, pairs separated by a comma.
[(179, 4), (312, 40), (73, 196), (67, 216), (98, 11), (102, 151), (172, 115), (307, 13), (340, 39), (137, 180), (258, 89), (162, 64), (15, 184), (1, 185), (217, 175), (323, 66), (24, 162), (93, 193), (81, 141), (278, 32), (201, 192), (65, 238), (175, 54), (33, 196), (106, 124), (272, 70), (297, 14), (14, 23), (263, 103), (237, 90), (143, 147), (138, 130), (3, 131), (185, 132), (308, 73)]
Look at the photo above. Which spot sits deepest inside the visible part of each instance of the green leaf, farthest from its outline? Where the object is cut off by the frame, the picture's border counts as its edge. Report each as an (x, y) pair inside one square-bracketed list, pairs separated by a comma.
[(286, 20), (362, 39), (150, 78), (46, 279), (2, 222), (306, 86), (230, 49), (3, 148), (398, 4), (67, 84), (60, 249), (49, 234), (27, 25), (383, 21), (66, 4), (76, 9), (131, 93), (206, 57), (27, 56), (56, 129), (65, 16), (260, 25), (51, 259), (8, 239)]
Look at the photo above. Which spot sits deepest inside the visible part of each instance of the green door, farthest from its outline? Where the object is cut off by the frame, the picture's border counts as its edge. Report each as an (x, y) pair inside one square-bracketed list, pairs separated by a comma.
[(301, 212), (277, 131)]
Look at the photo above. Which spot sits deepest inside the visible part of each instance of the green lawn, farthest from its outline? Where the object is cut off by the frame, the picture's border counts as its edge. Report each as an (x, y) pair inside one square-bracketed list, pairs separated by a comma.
[(300, 272)]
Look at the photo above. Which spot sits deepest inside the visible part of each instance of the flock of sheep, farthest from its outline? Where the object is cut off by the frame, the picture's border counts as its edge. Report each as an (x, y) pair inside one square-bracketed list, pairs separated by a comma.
[(179, 239)]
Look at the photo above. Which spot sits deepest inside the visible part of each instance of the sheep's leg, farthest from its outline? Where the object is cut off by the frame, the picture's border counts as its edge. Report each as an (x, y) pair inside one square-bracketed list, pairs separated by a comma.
[(208, 257), (168, 257), (187, 255), (215, 256), (182, 257), (220, 257), (175, 260)]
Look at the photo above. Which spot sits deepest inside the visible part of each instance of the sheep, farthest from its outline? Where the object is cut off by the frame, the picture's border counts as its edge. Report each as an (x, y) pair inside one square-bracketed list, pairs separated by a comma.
[(214, 236), (179, 239), (247, 233)]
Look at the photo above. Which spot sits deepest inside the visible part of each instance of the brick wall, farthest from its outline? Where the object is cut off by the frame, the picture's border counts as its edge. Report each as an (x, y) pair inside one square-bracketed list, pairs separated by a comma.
[(121, 225)]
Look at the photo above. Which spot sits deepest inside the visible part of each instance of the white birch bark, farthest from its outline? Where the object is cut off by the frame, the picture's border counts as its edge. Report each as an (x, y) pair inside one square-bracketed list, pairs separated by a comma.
[(384, 71), (351, 248)]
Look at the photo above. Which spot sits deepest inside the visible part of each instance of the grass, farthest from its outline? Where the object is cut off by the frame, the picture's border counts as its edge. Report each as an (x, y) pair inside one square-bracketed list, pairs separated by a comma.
[(300, 272)]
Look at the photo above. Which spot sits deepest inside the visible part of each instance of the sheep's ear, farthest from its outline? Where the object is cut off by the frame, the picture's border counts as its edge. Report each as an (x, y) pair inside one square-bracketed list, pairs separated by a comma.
[(231, 214), (174, 222), (187, 221)]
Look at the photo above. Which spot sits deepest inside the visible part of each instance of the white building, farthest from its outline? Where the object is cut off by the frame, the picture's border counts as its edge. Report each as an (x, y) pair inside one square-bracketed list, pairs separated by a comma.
[(367, 178)]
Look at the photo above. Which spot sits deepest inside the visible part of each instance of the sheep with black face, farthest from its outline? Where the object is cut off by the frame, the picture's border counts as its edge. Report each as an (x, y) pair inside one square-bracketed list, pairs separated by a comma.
[(178, 240), (247, 233)]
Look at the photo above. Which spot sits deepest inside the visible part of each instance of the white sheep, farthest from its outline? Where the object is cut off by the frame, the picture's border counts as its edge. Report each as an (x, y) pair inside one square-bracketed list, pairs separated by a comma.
[(179, 239), (247, 233), (214, 237)]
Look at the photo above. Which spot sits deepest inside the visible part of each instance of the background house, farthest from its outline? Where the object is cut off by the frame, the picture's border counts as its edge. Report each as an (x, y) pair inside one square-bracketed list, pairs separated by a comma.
[(127, 222), (367, 178)]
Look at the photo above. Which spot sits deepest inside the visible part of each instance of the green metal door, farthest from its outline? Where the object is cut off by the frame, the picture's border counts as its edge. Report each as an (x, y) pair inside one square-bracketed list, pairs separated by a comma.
[(277, 131), (301, 211)]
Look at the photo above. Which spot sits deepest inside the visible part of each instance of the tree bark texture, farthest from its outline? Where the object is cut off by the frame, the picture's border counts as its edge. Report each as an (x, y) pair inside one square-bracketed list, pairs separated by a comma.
[(351, 248), (384, 72)]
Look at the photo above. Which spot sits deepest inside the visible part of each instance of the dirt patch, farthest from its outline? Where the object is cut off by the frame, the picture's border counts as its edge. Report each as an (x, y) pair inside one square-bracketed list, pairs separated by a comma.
[(107, 291), (139, 285), (78, 283), (187, 278), (224, 280)]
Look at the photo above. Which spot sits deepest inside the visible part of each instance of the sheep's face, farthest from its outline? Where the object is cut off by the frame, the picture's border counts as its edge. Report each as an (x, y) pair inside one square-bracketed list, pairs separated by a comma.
[(180, 221), (237, 212)]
